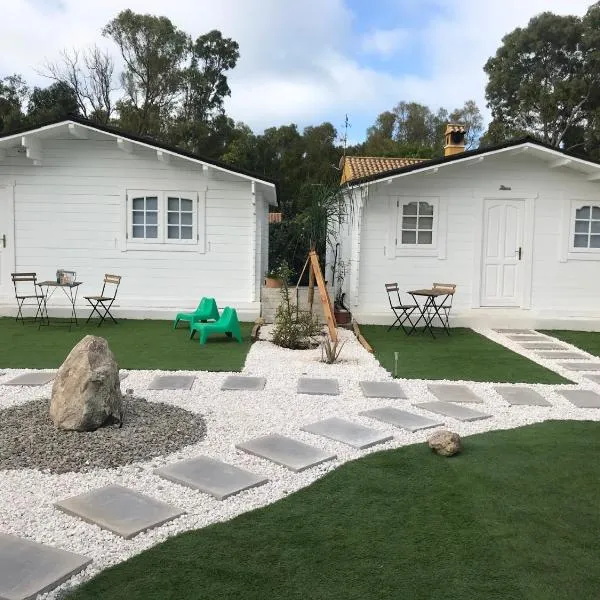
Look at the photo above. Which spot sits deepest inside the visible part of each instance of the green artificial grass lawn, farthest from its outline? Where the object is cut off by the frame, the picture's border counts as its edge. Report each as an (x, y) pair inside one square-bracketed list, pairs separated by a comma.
[(509, 518), (464, 354), (136, 344), (586, 340)]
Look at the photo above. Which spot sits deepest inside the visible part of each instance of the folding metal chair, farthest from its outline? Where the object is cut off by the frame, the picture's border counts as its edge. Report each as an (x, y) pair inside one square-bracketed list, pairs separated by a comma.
[(401, 311), (27, 294), (104, 301), (443, 309)]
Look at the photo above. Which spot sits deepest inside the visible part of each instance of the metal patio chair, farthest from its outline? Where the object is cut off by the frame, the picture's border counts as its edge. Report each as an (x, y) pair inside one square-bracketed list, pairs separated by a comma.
[(401, 311), (445, 307), (104, 300), (27, 294)]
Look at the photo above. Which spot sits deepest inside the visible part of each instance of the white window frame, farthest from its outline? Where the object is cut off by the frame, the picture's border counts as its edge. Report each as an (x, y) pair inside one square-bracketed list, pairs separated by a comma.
[(162, 242), (575, 206), (400, 249)]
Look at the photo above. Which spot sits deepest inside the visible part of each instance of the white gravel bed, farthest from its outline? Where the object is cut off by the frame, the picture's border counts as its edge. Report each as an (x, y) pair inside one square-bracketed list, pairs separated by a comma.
[(27, 496)]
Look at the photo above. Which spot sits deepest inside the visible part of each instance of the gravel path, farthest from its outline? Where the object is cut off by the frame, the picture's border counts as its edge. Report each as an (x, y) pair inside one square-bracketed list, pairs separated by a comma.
[(26, 496)]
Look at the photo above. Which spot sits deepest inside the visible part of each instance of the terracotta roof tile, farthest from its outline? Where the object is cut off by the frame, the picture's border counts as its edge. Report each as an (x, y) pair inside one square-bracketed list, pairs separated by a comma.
[(356, 167)]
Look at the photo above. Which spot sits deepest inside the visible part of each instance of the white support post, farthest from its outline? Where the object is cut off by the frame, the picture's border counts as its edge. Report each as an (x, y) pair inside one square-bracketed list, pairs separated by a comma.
[(163, 157), (33, 149), (78, 132), (125, 145)]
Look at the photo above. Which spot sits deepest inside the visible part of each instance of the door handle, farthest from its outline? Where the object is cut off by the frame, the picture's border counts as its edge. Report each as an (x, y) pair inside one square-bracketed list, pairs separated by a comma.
[(4, 240), (519, 253)]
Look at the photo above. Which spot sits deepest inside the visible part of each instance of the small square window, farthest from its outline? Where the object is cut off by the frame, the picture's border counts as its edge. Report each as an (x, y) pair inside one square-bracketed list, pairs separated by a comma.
[(417, 223), (586, 228)]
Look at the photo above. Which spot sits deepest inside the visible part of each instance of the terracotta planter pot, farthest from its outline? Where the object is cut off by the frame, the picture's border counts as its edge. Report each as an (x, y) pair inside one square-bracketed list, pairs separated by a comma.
[(342, 317), (271, 282)]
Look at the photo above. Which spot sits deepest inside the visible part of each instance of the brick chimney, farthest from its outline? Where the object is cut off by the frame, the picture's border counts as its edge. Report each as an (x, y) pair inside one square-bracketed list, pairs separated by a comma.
[(454, 139)]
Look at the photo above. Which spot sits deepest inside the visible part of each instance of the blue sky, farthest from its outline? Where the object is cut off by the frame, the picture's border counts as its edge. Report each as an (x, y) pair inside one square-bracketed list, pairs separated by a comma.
[(303, 62)]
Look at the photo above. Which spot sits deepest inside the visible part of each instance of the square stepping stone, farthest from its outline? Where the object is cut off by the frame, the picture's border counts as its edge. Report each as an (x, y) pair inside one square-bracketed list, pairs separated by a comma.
[(593, 378), (454, 393), (120, 510), (286, 452), (211, 476), (521, 396), (516, 331), (563, 355), (381, 389), (310, 385), (582, 398), (542, 346), (455, 411), (242, 382), (525, 338), (28, 568), (581, 366), (353, 434), (172, 382), (401, 418), (31, 379)]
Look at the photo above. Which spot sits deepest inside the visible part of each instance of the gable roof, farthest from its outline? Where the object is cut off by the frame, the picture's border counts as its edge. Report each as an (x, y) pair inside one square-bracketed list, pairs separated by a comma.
[(479, 154), (142, 141), (357, 167)]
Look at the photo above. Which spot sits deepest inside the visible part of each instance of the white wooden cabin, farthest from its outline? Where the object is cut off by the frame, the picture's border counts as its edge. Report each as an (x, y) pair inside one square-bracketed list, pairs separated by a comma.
[(516, 228), (94, 200)]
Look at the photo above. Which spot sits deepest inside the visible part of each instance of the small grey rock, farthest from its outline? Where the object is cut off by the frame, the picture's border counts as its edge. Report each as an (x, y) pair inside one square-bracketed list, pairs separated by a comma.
[(445, 443)]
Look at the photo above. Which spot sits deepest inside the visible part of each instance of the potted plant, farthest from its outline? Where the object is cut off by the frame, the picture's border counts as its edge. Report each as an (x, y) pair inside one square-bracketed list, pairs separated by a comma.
[(272, 279)]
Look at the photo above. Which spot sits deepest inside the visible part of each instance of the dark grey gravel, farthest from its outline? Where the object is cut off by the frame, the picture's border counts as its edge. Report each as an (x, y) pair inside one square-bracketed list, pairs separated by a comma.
[(29, 439)]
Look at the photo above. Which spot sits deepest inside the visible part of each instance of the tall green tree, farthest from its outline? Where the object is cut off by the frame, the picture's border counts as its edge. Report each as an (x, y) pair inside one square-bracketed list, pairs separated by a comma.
[(51, 103), (13, 97)]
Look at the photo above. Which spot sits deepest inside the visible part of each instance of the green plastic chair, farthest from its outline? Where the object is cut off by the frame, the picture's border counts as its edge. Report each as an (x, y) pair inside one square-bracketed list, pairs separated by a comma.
[(228, 324), (206, 310)]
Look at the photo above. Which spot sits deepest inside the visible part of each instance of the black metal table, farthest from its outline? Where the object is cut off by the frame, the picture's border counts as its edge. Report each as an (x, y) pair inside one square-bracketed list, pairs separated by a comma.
[(70, 291), (430, 309)]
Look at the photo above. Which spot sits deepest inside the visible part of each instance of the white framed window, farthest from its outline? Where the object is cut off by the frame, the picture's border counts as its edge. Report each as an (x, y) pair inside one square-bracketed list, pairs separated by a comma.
[(585, 227), (415, 225), (169, 219)]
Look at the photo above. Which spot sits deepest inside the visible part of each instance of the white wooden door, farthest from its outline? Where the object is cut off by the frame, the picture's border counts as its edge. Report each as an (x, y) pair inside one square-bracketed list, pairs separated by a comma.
[(502, 261), (7, 248)]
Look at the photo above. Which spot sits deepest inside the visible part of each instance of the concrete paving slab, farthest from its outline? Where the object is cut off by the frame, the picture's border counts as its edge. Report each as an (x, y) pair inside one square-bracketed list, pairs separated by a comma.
[(543, 346), (120, 510), (401, 418), (317, 386), (381, 389), (32, 379), (211, 476), (243, 382), (172, 382), (455, 411), (581, 398), (593, 378), (521, 396), (563, 355), (286, 452), (581, 366), (454, 393), (28, 568), (516, 331), (347, 432), (525, 338)]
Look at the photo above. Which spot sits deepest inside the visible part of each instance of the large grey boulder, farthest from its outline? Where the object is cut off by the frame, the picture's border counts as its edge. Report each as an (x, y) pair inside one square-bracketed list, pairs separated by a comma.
[(86, 393), (445, 443)]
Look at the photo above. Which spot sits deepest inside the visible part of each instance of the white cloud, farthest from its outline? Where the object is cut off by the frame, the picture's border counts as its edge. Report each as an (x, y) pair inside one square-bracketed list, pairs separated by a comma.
[(300, 62)]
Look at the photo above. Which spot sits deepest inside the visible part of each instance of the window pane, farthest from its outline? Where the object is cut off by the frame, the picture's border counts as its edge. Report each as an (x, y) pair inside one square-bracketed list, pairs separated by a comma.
[(581, 241), (425, 208), (186, 219), (138, 218), (186, 233), (173, 203), (152, 231), (138, 204), (151, 203), (582, 226), (595, 212), (173, 218), (409, 237), (595, 241), (595, 226), (425, 222), (173, 232), (138, 231), (187, 205), (583, 212), (409, 222), (425, 237), (151, 218), (410, 208)]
